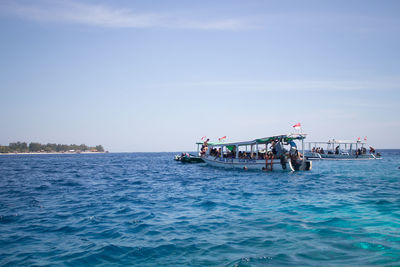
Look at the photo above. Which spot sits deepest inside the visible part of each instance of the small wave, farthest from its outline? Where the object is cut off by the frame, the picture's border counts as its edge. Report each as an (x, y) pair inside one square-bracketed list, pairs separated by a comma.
[(383, 202), (247, 194), (103, 255), (60, 215), (152, 233), (109, 233), (158, 251), (370, 246), (51, 171), (70, 183), (318, 256), (139, 228), (66, 229), (251, 261), (335, 221), (17, 239), (9, 218), (123, 210), (208, 204), (42, 187), (256, 242)]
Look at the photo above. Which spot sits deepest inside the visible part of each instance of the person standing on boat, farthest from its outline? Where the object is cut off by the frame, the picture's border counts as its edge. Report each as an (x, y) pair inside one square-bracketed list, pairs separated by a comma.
[(292, 145), (269, 156), (277, 148), (204, 147), (233, 152), (273, 149)]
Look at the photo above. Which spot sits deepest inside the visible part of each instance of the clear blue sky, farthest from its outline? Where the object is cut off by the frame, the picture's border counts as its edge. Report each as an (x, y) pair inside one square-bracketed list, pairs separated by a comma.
[(159, 75)]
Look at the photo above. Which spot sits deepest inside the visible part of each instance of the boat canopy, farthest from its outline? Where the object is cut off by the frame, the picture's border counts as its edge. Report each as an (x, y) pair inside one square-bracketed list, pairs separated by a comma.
[(282, 138), (338, 142), (264, 140), (228, 144)]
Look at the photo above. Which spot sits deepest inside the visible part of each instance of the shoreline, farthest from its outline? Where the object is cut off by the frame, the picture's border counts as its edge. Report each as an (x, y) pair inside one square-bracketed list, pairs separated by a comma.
[(51, 153), (116, 152)]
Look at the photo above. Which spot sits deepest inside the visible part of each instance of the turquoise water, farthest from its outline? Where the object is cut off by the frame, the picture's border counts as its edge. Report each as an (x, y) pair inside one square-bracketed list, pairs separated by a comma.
[(144, 209)]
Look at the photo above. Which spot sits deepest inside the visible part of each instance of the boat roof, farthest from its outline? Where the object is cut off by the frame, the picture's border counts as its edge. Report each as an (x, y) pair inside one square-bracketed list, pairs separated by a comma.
[(263, 140), (333, 141)]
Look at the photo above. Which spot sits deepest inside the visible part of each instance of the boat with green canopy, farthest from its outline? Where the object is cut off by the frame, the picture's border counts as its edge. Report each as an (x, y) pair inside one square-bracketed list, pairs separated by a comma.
[(273, 153)]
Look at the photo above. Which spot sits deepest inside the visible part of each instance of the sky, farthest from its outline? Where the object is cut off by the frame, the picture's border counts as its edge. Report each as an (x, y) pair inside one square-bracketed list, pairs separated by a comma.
[(144, 76)]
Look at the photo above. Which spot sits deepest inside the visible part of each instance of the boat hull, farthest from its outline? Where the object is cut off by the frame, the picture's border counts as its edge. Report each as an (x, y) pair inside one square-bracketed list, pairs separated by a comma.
[(188, 159), (251, 164), (192, 160), (317, 156)]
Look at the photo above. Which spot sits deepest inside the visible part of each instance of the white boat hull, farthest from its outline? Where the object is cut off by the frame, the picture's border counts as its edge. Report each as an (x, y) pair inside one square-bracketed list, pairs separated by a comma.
[(252, 164), (313, 156)]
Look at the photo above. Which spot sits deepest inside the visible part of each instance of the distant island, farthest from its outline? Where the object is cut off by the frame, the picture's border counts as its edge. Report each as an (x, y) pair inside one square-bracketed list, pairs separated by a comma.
[(23, 147)]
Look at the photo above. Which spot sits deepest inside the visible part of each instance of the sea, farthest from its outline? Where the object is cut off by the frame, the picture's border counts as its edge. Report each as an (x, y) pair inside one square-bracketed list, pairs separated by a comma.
[(145, 209)]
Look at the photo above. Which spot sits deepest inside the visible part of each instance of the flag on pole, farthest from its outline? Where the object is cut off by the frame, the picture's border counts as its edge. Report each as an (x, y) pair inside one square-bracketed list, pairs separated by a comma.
[(204, 138), (222, 138), (358, 139), (297, 126), (365, 138)]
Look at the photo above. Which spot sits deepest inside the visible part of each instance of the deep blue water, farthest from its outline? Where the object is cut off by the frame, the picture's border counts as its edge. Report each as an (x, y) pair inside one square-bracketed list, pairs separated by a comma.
[(144, 209)]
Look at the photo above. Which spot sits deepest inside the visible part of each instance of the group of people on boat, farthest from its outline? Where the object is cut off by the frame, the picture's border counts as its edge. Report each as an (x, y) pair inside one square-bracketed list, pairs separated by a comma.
[(359, 151), (318, 150), (215, 152), (279, 152), (276, 151)]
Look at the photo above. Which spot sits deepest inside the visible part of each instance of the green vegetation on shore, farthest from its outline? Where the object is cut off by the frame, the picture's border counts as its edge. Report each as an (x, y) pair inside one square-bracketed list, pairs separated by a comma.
[(23, 147)]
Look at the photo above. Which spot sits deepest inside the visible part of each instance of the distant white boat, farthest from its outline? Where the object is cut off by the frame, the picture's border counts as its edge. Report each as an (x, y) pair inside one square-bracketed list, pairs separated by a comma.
[(274, 153), (340, 150)]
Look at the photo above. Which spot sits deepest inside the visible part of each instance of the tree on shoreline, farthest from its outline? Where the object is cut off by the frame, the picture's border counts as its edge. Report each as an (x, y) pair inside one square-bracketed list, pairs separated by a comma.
[(23, 147)]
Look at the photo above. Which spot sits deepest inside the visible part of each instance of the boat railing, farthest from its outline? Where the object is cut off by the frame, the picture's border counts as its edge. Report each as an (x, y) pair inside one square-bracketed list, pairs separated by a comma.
[(314, 155)]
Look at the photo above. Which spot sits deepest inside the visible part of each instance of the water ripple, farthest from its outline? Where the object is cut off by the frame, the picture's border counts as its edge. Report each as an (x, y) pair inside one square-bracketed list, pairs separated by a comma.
[(144, 209)]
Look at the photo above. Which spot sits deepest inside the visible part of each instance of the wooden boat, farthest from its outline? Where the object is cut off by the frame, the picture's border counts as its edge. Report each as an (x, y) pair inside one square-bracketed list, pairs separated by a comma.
[(340, 150), (274, 153)]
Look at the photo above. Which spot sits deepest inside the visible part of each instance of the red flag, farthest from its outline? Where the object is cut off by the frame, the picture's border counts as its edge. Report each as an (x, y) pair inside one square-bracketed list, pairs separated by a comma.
[(203, 138), (222, 138), (296, 126), (358, 139), (365, 138)]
